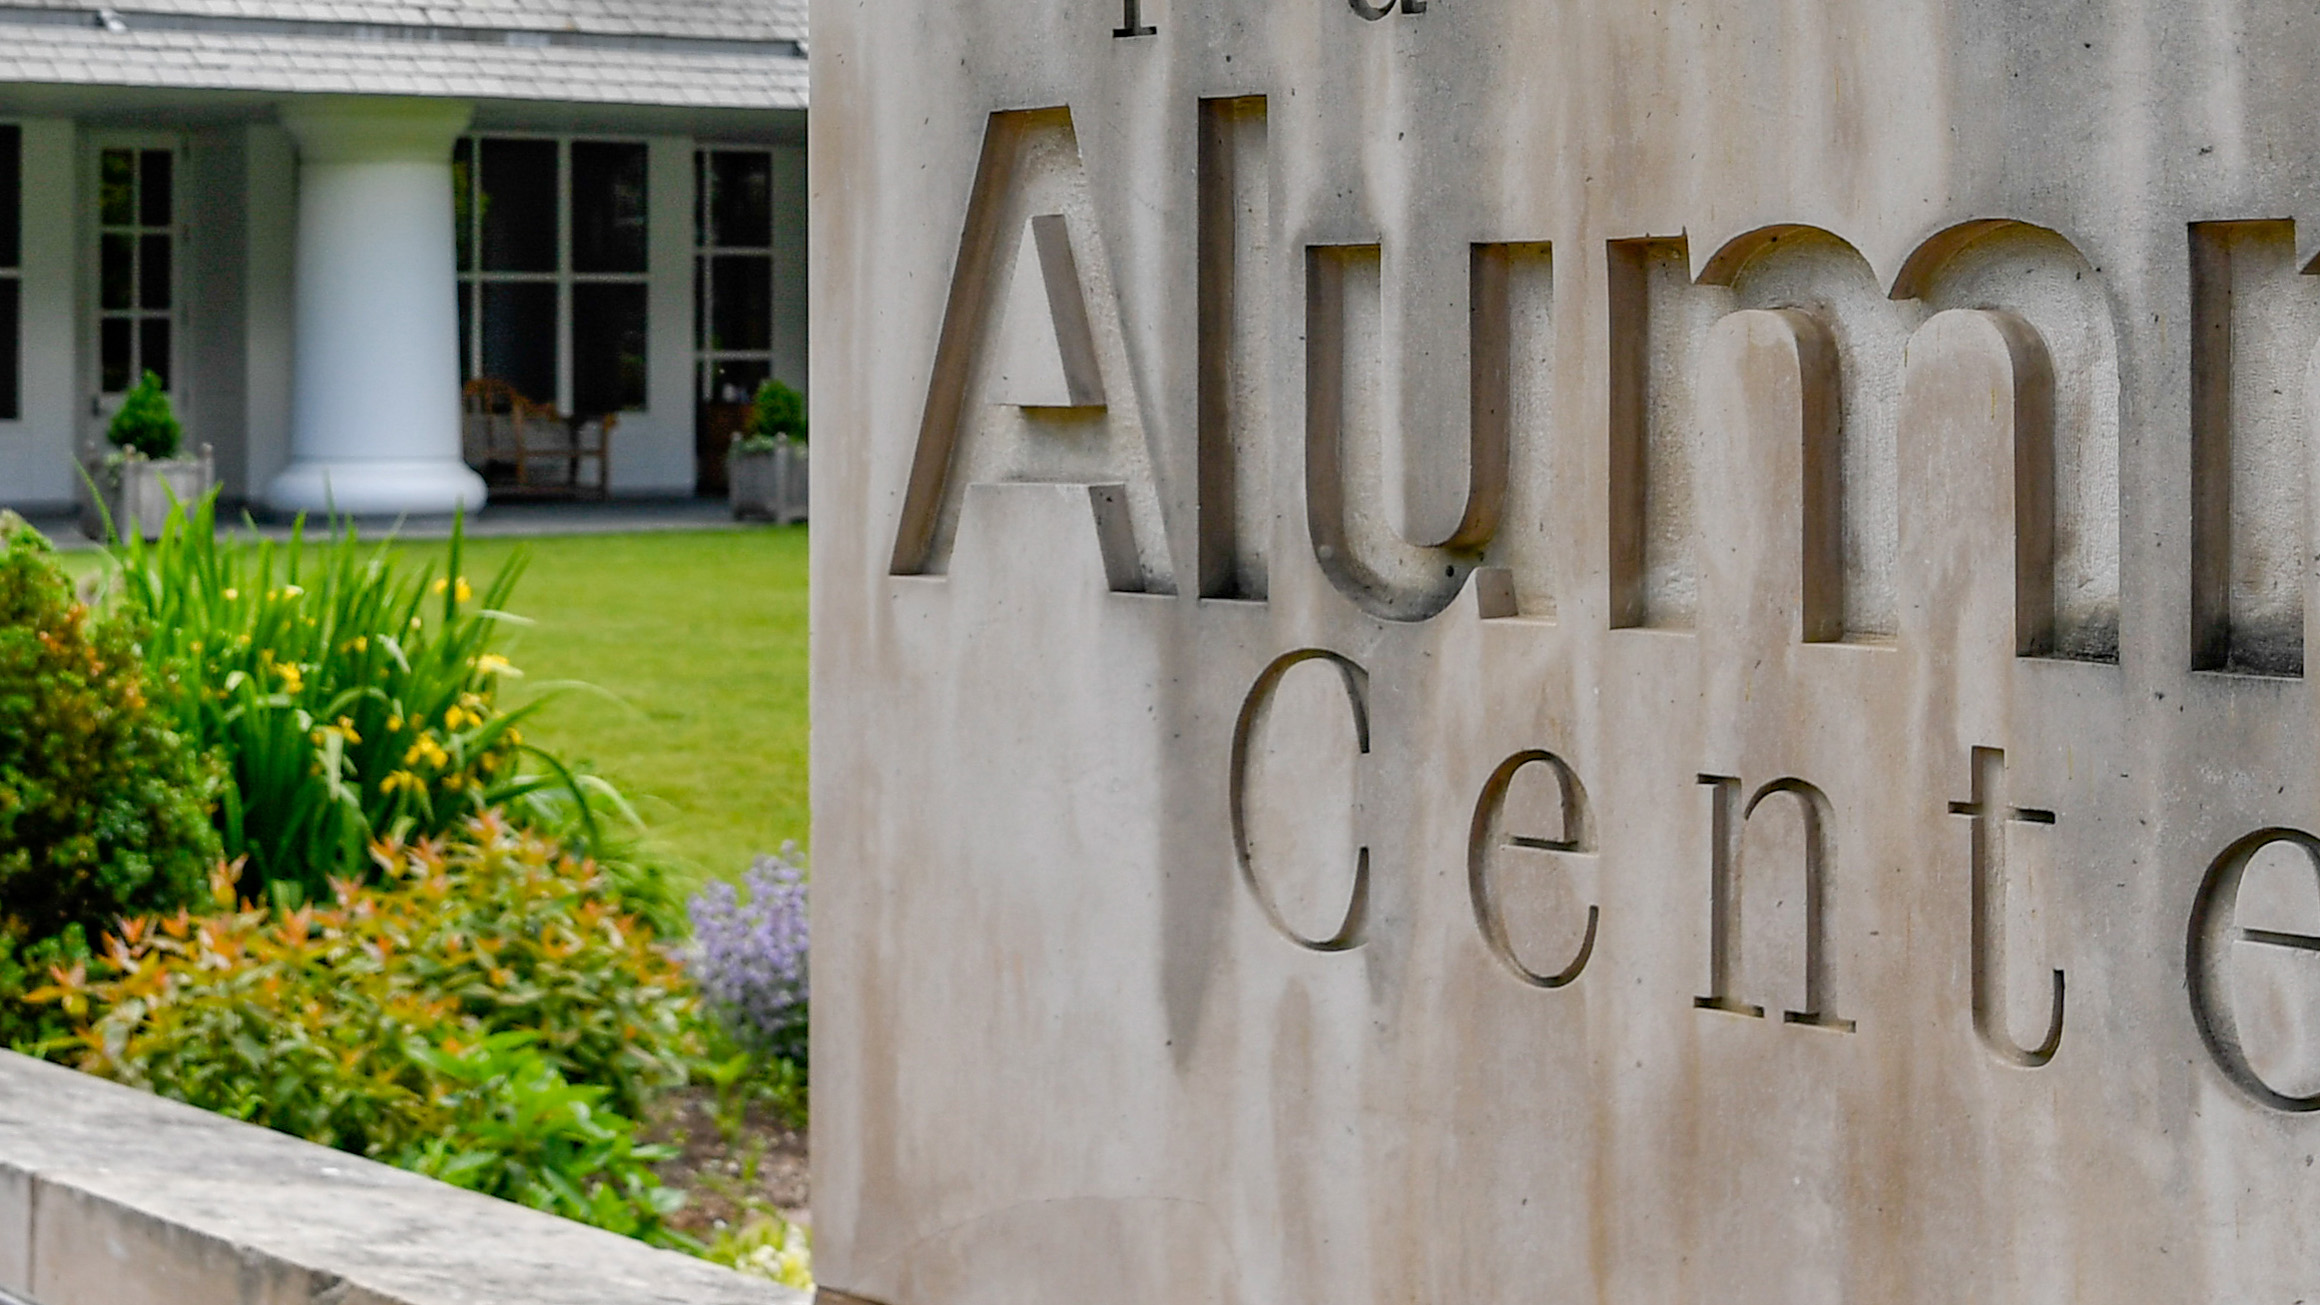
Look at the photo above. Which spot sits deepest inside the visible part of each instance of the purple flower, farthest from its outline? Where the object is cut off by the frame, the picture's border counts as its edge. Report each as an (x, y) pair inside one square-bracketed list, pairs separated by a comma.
[(749, 954)]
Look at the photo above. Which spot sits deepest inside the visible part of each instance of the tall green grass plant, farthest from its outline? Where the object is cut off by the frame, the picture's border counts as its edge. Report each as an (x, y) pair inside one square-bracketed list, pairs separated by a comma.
[(351, 693)]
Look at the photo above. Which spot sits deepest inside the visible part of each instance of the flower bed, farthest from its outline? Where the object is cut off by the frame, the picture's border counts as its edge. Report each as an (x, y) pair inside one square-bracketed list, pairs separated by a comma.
[(423, 949)]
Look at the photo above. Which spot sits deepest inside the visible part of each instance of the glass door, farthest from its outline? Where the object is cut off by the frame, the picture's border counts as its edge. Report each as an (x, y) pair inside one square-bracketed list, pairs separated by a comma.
[(136, 231), (733, 299)]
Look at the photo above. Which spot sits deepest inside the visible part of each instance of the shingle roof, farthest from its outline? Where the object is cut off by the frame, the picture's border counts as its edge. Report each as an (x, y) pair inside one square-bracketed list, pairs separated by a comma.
[(182, 60), (727, 20)]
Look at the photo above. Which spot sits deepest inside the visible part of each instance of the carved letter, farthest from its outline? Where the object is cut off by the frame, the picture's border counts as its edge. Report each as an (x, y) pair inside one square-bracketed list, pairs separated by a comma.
[(1348, 934), (1019, 381), (2251, 536), (1990, 815), (1411, 569), (1234, 378), (1132, 20), (2214, 929), (1724, 912), (1724, 900), (1483, 840)]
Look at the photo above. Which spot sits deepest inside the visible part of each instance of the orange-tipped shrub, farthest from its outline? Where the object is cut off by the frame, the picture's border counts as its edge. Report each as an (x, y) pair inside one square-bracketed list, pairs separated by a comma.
[(104, 809), (486, 1013)]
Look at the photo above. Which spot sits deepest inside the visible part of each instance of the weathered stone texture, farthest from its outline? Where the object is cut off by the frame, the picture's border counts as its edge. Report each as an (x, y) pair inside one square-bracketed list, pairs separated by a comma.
[(1663, 661), (111, 1196)]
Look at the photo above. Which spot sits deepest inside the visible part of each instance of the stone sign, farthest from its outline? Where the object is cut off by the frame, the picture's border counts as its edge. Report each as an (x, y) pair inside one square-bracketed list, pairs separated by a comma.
[(1483, 652)]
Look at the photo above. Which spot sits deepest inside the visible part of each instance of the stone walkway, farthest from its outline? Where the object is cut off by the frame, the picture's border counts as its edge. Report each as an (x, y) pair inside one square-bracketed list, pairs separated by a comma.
[(499, 520)]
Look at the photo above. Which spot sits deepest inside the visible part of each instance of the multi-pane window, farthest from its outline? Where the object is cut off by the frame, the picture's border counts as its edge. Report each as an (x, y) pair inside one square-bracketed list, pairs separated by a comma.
[(552, 261), (733, 272), (136, 265), (11, 271)]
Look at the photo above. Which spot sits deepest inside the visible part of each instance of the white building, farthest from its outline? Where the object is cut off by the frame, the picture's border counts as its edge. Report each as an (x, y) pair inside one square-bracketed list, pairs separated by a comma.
[(316, 218)]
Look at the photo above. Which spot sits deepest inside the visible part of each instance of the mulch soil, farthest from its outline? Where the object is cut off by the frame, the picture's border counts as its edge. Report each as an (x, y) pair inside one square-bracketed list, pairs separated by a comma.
[(717, 1175)]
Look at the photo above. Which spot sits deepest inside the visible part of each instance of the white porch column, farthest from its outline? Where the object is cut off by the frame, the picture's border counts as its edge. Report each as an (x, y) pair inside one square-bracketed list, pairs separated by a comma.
[(374, 399)]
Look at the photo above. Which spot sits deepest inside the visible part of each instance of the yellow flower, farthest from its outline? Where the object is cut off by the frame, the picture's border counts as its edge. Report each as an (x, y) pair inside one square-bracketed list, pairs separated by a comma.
[(440, 585), (346, 727), (394, 724), (292, 591), (401, 779), (453, 718), (461, 591), (494, 664), (293, 679), (427, 750), (232, 594)]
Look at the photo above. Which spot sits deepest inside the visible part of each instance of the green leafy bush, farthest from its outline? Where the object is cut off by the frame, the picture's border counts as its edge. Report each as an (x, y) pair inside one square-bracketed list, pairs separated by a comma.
[(144, 423), (487, 1014), (104, 808), (351, 695), (777, 413), (527, 1134)]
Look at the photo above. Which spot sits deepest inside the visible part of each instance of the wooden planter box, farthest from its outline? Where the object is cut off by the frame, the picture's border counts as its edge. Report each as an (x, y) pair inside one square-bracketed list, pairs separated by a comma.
[(136, 493), (769, 486)]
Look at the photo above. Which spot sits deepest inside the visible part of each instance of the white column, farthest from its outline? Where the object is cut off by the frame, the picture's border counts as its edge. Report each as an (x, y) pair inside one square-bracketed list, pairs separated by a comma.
[(374, 420)]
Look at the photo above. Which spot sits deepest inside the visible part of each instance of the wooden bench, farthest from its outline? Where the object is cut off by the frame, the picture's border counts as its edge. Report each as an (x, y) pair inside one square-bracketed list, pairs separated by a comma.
[(526, 447)]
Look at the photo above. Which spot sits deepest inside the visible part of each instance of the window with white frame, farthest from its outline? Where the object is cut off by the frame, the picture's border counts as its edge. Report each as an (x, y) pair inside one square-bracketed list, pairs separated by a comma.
[(136, 266), (552, 267), (732, 272)]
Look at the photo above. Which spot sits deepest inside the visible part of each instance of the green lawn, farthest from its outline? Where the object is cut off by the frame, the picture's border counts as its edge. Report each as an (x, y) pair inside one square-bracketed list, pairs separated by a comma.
[(697, 642), (695, 645)]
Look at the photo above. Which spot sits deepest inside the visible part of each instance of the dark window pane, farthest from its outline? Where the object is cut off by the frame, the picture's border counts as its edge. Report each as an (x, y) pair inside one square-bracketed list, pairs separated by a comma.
[(519, 337), (116, 270), (466, 331), (11, 406), (463, 201), (153, 347), (117, 188), (152, 271), (11, 206), (518, 196), (700, 304), (741, 197), (736, 379), (608, 207), (608, 348), (153, 198), (700, 197), (741, 302), (114, 354)]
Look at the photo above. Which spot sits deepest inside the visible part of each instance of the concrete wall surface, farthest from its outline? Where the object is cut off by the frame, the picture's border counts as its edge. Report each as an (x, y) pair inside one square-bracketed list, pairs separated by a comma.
[(1660, 656), (110, 1196)]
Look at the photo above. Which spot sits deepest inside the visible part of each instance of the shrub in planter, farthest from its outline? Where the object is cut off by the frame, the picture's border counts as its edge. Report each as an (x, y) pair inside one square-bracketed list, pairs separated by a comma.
[(749, 954), (486, 1014), (777, 413), (766, 469), (350, 694), (145, 424), (104, 806), (145, 482)]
